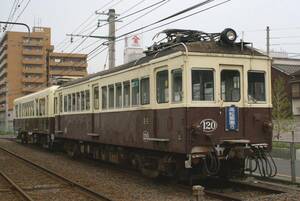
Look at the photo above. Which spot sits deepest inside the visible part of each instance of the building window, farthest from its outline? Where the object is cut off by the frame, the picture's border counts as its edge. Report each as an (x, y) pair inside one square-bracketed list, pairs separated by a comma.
[(202, 85), (111, 96), (256, 87), (230, 85), (104, 97), (118, 95), (162, 87), (82, 97), (87, 97), (135, 92), (145, 91), (177, 93), (96, 97), (126, 94)]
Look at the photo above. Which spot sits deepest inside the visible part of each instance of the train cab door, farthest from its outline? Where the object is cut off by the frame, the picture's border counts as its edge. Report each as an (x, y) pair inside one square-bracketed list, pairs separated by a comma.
[(232, 101), (58, 113), (96, 120)]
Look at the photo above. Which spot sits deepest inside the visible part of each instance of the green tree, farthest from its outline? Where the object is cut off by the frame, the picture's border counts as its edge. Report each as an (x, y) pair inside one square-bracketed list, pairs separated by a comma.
[(283, 119)]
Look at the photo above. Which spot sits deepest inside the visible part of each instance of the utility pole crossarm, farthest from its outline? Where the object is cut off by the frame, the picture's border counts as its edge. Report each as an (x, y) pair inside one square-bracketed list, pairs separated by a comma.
[(78, 35)]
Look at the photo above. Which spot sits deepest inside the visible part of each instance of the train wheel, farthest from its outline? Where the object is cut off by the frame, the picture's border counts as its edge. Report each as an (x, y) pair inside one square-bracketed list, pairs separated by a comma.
[(72, 149)]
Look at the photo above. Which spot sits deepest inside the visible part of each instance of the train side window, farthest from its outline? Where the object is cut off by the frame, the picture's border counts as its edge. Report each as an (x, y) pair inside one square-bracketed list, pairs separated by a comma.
[(55, 105), (145, 91), (87, 98), (96, 97), (177, 93), (230, 85), (78, 101), (60, 102), (162, 87), (69, 102), (82, 97), (65, 103), (111, 96), (118, 95), (126, 94), (73, 102), (135, 89), (104, 97), (202, 85), (36, 107), (256, 87), (42, 104), (17, 110)]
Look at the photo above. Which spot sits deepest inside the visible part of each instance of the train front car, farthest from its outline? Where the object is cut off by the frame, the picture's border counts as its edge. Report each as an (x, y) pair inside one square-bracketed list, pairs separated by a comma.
[(228, 108)]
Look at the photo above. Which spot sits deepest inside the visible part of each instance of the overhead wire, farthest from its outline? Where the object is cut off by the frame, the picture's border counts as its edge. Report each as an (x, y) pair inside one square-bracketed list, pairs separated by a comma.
[(20, 14), (9, 15)]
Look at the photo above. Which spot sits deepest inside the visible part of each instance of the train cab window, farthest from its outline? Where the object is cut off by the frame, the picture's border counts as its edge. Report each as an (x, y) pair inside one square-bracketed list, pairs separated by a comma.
[(87, 99), (17, 110), (73, 102), (78, 101), (162, 87), (69, 102), (118, 95), (126, 94), (177, 93), (111, 96), (230, 85), (65, 103), (256, 87), (145, 91), (135, 92), (36, 107), (82, 104), (96, 97), (202, 85), (104, 97)]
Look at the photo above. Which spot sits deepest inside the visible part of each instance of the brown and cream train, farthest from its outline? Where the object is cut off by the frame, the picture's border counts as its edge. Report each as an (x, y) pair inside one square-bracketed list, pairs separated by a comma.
[(197, 104)]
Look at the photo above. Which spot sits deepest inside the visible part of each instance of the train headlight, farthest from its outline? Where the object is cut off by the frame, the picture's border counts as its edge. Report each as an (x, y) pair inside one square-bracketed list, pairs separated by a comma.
[(228, 36)]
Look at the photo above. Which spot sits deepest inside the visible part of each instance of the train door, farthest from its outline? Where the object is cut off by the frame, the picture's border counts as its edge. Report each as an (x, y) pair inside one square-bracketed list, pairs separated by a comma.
[(57, 116), (96, 123), (232, 100)]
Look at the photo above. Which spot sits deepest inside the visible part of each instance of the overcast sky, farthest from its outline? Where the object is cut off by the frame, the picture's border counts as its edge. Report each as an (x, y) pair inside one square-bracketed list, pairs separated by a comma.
[(250, 16)]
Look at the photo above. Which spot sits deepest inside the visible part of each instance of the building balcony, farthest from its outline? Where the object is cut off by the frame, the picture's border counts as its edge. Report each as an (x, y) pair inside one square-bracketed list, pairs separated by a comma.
[(33, 52), (68, 64), (2, 100), (3, 61), (33, 43), (2, 72), (34, 79), (33, 61), (31, 89), (37, 70), (3, 81), (67, 72)]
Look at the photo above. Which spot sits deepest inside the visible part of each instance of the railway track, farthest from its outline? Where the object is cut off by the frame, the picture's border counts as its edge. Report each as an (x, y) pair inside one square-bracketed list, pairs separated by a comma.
[(35, 182), (239, 190)]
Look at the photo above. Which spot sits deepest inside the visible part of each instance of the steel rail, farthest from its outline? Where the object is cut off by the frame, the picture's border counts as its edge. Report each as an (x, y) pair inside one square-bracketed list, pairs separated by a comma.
[(67, 180), (15, 186), (222, 196)]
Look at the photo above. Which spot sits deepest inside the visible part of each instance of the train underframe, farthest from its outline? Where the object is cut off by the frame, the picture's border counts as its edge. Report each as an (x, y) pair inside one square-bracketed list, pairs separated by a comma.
[(225, 160)]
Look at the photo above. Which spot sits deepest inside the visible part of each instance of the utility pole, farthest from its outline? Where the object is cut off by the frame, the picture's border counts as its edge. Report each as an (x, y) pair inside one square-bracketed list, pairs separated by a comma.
[(112, 16), (268, 40)]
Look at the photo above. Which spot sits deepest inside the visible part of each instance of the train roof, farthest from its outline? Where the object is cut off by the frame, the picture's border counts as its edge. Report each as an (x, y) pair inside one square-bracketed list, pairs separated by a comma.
[(196, 47), (31, 96)]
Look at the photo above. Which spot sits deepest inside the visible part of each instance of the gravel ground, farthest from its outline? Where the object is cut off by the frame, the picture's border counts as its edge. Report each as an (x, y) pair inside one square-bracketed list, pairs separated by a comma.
[(114, 184)]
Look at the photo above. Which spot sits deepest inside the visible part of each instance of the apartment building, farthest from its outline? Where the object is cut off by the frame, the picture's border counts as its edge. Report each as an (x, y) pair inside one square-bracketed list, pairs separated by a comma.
[(28, 64)]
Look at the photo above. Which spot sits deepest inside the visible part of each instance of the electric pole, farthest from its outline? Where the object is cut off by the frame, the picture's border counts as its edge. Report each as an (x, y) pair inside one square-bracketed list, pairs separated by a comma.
[(268, 40), (112, 16)]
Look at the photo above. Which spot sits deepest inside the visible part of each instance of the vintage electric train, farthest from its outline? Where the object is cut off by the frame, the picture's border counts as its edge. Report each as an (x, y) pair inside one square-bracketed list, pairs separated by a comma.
[(196, 104)]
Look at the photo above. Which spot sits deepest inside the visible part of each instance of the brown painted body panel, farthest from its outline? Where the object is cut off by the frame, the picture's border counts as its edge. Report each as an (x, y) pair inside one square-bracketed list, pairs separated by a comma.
[(43, 125), (170, 130)]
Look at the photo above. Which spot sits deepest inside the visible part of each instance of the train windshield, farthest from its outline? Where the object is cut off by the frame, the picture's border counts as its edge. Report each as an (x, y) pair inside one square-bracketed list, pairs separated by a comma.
[(202, 85), (256, 87), (230, 85)]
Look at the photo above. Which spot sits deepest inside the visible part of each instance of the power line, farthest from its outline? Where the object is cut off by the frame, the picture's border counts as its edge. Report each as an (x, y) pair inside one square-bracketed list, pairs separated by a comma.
[(9, 16), (21, 12), (132, 7)]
